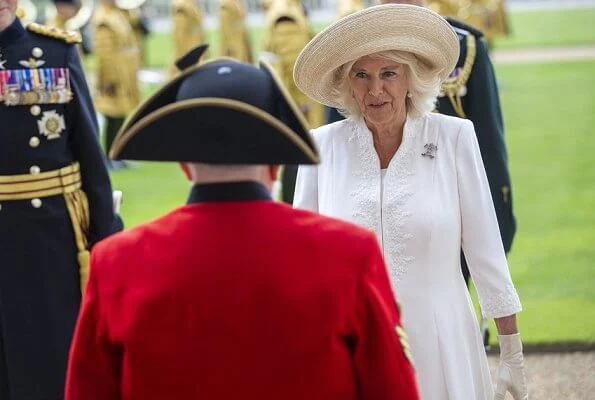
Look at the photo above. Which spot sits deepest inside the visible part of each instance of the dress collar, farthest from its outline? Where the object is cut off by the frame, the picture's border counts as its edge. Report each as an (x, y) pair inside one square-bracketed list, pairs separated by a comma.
[(11, 33), (228, 191)]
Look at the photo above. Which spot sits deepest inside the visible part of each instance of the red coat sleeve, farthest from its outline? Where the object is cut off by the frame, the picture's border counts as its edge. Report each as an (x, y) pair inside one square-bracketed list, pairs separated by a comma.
[(94, 363), (381, 352)]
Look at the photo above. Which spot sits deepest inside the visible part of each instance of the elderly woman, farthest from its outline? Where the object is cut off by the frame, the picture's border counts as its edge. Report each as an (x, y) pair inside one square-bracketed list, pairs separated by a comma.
[(416, 178)]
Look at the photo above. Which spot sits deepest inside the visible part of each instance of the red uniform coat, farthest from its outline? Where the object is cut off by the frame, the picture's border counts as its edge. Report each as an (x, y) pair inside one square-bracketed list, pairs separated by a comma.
[(242, 299)]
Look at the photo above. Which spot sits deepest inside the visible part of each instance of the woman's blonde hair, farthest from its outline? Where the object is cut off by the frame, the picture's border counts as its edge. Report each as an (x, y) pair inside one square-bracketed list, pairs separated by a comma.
[(423, 84)]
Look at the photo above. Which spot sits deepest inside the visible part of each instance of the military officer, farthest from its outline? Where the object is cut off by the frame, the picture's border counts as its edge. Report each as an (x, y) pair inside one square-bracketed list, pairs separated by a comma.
[(187, 27), (232, 306), (117, 88), (234, 37), (55, 202), (287, 31)]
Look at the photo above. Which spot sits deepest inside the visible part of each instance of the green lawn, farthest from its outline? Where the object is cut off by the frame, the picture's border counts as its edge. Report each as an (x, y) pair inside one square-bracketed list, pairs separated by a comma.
[(530, 29), (550, 28), (549, 125)]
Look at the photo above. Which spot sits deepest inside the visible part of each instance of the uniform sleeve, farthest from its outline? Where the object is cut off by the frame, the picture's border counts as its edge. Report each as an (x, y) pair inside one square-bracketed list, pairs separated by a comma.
[(481, 241), (306, 188), (84, 143), (483, 109), (94, 362), (382, 358), (108, 72)]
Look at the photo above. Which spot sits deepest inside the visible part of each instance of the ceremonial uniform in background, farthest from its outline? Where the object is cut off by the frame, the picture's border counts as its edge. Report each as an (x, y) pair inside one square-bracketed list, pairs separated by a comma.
[(187, 27), (234, 37), (141, 31), (117, 89), (233, 295), (347, 7), (287, 31), (55, 202), (498, 24), (488, 16)]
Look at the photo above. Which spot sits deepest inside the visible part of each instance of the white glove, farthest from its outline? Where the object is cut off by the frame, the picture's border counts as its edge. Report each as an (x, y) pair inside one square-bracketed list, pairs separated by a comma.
[(511, 372)]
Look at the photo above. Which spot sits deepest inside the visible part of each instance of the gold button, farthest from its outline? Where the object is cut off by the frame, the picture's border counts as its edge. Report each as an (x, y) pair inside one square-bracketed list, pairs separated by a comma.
[(34, 170), (34, 141), (37, 52), (35, 110), (36, 203)]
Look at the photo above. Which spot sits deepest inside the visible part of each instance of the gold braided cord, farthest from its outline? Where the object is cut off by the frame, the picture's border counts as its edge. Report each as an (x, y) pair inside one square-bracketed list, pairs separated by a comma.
[(70, 169), (66, 36), (453, 86), (78, 210)]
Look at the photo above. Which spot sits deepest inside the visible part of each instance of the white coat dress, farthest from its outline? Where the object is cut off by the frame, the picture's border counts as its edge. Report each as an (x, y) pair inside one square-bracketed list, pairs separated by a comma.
[(434, 201)]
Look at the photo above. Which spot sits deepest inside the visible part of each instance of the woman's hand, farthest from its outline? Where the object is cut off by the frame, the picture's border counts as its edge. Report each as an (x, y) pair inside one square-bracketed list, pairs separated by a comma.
[(511, 372)]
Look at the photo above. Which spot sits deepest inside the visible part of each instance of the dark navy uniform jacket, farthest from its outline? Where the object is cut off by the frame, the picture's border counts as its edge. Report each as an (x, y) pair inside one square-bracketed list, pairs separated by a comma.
[(39, 273), (481, 105)]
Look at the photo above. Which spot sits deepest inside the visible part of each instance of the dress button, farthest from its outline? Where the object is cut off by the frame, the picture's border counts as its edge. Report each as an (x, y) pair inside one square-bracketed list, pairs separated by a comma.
[(37, 52), (36, 203), (34, 141), (35, 110), (34, 170)]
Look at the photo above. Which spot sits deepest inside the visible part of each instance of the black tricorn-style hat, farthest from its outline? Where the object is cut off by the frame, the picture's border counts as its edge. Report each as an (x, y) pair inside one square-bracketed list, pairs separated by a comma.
[(218, 112)]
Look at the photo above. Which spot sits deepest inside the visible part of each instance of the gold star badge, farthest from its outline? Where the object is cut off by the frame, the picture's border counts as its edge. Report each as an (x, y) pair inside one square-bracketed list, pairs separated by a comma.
[(51, 124)]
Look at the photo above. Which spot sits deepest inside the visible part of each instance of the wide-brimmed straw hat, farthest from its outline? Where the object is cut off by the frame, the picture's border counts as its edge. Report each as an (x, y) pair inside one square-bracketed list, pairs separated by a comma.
[(403, 27), (218, 112)]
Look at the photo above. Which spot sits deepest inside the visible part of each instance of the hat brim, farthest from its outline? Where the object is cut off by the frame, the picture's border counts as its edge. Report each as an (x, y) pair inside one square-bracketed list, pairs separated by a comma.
[(403, 27)]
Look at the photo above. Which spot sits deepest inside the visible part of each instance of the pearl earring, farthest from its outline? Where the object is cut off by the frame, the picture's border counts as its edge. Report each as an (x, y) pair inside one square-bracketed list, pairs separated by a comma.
[(409, 95)]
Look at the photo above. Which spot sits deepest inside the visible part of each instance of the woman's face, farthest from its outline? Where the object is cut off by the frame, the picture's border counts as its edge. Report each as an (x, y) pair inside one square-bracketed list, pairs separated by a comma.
[(8, 10), (379, 87)]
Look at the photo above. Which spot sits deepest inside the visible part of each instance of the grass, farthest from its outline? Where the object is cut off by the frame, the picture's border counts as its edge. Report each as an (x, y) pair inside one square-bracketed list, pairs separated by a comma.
[(549, 121), (548, 28), (548, 110), (564, 28)]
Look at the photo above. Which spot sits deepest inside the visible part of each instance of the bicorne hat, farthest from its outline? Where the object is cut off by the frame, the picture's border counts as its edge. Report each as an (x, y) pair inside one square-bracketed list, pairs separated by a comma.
[(218, 112)]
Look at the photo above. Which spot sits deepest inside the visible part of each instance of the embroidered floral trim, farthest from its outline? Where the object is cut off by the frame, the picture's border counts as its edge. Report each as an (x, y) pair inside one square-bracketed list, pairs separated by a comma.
[(366, 193), (500, 304), (396, 215), (367, 175)]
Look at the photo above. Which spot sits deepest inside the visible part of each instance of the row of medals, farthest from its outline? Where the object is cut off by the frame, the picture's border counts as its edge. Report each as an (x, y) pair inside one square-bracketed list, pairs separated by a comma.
[(35, 86)]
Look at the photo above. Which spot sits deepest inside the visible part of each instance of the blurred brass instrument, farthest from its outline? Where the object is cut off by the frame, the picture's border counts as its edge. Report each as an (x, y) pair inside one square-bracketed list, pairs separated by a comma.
[(129, 4), (27, 11), (75, 23)]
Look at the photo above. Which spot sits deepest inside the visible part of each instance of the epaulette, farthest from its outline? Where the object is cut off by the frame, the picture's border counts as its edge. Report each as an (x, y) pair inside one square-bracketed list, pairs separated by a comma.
[(50, 31), (453, 86), (455, 23)]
